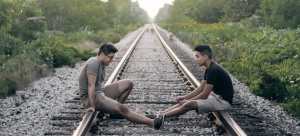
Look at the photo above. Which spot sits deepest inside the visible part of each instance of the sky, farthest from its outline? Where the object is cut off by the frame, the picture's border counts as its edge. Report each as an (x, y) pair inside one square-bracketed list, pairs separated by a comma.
[(152, 6)]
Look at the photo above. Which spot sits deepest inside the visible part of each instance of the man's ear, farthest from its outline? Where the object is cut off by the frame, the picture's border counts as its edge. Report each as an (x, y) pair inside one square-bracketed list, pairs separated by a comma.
[(206, 56), (101, 54)]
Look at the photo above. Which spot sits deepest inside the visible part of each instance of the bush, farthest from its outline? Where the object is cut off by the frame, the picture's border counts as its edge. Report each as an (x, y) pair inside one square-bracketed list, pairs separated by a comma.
[(9, 44), (64, 56), (28, 62), (80, 36), (109, 36), (8, 87), (53, 51), (280, 14), (292, 107), (86, 54), (272, 88), (18, 71)]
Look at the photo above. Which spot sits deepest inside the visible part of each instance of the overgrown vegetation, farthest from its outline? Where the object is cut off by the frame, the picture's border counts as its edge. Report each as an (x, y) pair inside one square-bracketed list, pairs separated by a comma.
[(257, 41), (38, 35)]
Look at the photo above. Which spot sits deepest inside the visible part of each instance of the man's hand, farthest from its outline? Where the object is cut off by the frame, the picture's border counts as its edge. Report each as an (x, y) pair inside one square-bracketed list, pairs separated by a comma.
[(179, 98), (91, 109)]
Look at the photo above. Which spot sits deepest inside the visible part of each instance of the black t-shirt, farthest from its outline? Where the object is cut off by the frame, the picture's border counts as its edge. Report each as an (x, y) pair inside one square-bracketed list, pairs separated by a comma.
[(220, 80)]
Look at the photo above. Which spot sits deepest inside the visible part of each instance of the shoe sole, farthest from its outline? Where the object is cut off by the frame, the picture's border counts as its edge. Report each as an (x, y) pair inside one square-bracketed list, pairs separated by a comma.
[(162, 120)]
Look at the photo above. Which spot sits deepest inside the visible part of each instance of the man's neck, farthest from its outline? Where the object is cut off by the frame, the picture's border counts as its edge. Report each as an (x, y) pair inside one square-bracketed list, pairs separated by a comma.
[(99, 59), (207, 64)]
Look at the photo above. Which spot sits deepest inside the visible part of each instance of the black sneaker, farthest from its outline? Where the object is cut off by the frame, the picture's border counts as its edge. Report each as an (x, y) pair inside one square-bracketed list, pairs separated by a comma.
[(116, 116), (159, 121)]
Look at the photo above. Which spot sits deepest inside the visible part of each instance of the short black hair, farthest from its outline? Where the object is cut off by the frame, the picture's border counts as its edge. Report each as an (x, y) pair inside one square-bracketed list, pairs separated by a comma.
[(204, 49), (107, 48)]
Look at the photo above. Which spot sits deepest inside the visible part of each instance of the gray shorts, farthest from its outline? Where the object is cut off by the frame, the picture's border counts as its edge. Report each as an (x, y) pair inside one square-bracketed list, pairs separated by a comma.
[(212, 103), (85, 100), (112, 91)]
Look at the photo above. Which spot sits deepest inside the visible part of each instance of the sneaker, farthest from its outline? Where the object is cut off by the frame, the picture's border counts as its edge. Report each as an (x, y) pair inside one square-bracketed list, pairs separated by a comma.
[(159, 121), (116, 116)]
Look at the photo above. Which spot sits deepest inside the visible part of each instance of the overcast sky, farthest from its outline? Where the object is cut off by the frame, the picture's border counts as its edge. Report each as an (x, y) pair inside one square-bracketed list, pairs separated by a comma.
[(152, 6)]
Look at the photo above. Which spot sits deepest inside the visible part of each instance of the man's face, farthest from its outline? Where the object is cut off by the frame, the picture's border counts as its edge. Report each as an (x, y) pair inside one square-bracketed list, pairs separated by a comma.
[(108, 58), (200, 58)]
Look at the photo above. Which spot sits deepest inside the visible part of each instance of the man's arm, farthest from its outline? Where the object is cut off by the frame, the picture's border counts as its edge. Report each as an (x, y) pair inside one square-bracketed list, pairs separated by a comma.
[(91, 90), (205, 93), (196, 92)]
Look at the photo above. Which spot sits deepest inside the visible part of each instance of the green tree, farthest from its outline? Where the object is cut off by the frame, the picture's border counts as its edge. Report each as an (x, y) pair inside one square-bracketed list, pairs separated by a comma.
[(281, 14), (163, 13), (94, 15), (207, 11), (29, 22), (235, 10), (73, 15), (6, 14), (181, 10)]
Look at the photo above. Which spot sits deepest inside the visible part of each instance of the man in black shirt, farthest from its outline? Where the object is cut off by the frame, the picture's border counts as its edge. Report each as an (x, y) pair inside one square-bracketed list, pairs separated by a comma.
[(214, 94)]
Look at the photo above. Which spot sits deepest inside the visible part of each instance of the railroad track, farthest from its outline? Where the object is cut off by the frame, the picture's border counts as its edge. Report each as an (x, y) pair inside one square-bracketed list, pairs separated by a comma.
[(159, 76)]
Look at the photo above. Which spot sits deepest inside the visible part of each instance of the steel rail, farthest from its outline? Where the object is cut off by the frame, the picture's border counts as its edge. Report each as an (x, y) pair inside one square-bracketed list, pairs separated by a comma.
[(230, 125), (89, 117)]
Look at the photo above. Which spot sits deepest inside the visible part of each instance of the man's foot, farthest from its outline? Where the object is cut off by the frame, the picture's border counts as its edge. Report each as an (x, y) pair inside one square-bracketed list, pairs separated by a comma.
[(116, 116), (159, 121)]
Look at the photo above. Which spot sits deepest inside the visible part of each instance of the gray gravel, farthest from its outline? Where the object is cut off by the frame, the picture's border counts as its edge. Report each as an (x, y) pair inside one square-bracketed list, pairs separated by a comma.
[(269, 110), (30, 110)]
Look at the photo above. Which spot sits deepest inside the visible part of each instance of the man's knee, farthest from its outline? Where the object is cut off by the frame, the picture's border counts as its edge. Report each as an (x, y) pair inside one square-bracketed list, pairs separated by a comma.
[(128, 84), (123, 109)]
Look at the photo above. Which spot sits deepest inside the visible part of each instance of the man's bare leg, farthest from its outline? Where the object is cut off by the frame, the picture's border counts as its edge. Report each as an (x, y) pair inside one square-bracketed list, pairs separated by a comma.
[(112, 106), (181, 109), (119, 90), (126, 87), (170, 108)]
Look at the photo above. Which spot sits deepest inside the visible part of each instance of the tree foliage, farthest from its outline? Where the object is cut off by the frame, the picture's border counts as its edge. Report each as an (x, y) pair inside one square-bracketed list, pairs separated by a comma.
[(75, 15), (281, 14), (207, 11), (235, 10), (35, 33), (211, 11), (275, 13)]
